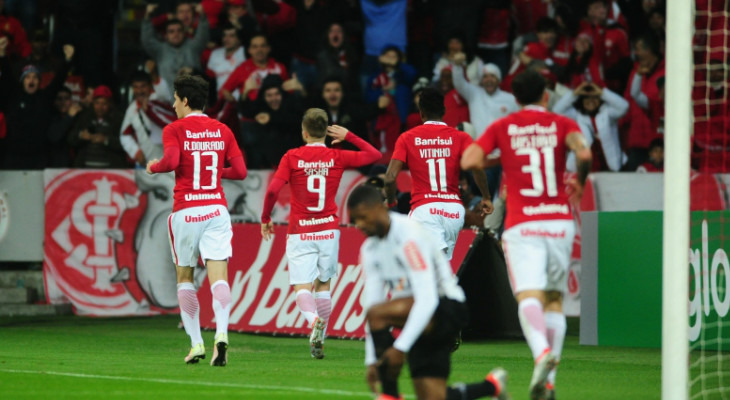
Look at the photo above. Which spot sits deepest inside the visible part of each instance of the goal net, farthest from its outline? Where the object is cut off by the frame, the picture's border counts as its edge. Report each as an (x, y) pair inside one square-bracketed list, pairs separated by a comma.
[(709, 320)]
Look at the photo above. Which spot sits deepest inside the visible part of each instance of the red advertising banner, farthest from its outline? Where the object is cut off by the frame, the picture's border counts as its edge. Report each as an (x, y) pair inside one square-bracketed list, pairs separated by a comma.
[(263, 301)]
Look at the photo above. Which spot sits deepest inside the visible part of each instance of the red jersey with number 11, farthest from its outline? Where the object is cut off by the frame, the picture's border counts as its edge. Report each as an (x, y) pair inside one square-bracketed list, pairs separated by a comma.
[(204, 145), (432, 152), (533, 157)]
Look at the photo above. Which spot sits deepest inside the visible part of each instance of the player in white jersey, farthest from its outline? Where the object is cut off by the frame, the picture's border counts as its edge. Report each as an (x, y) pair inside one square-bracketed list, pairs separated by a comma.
[(426, 303)]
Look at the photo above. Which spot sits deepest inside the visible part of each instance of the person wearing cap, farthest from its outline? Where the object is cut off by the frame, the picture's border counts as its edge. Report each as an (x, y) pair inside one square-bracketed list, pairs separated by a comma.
[(28, 109), (95, 135), (487, 102)]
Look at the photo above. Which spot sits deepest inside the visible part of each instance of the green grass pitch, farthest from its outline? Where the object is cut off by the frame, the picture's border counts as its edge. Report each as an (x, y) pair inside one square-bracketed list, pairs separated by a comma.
[(142, 358)]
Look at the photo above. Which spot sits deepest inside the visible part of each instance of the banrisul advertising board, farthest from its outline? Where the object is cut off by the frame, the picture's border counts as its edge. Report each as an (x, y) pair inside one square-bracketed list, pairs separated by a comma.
[(709, 297)]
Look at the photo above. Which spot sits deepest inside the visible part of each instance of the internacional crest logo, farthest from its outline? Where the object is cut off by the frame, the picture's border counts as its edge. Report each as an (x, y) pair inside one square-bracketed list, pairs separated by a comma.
[(91, 217)]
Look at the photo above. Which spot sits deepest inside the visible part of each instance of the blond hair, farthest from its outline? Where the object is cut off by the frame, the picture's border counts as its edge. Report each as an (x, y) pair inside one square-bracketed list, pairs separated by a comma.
[(315, 122)]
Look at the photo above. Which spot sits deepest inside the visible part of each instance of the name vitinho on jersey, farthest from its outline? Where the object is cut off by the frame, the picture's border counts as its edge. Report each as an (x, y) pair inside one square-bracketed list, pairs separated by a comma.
[(204, 146), (316, 167), (437, 141), (202, 196), (206, 134), (435, 153)]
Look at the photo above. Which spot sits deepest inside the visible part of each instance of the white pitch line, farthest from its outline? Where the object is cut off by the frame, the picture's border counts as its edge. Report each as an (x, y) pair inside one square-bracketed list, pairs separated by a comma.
[(196, 383)]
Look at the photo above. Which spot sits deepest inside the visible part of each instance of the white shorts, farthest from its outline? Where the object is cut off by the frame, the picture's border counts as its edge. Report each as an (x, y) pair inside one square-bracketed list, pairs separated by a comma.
[(204, 231), (538, 255), (312, 256), (443, 220)]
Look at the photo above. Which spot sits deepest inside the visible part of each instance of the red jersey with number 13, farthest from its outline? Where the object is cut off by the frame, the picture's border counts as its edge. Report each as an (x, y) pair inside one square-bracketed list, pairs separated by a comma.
[(532, 142), (204, 145), (314, 172), (432, 152)]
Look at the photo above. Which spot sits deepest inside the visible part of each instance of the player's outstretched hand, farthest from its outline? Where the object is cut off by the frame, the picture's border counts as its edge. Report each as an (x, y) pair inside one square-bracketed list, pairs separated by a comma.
[(150, 163), (371, 377), (337, 133), (485, 207), (394, 359), (267, 230), (575, 191)]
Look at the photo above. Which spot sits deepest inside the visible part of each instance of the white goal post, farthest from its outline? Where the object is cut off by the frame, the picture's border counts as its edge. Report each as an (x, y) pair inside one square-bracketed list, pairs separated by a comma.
[(676, 218)]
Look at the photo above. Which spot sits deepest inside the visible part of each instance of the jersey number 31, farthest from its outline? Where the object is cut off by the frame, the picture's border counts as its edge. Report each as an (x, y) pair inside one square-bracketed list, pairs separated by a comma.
[(535, 169)]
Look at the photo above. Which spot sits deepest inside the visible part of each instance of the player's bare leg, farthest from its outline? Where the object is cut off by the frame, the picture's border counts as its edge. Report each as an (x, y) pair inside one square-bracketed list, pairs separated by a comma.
[(556, 327), (532, 319), (323, 304), (190, 313), (218, 278)]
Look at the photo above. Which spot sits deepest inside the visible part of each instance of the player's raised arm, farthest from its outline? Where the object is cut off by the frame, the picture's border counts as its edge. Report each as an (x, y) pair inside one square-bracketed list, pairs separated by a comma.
[(367, 154), (577, 143)]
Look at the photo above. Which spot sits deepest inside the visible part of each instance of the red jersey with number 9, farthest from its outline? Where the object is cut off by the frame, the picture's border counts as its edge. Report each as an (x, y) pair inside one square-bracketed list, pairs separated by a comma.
[(314, 172), (432, 152), (204, 145), (532, 142)]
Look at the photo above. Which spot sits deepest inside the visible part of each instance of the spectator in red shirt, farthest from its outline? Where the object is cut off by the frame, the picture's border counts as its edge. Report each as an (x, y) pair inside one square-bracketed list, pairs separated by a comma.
[(12, 29), (646, 109), (457, 109), (610, 42), (655, 163), (584, 64), (249, 75)]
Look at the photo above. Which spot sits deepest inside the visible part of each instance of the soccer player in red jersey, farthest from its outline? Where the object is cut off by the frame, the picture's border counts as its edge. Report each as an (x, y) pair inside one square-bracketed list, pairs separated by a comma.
[(432, 152), (539, 228), (196, 147), (314, 172)]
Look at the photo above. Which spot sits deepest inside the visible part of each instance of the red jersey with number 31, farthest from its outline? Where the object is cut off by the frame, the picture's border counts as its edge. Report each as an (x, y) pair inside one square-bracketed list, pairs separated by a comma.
[(432, 152), (532, 142), (314, 172), (204, 145)]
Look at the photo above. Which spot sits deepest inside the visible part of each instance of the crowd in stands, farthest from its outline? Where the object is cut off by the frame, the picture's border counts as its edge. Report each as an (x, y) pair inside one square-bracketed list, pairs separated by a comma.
[(363, 61)]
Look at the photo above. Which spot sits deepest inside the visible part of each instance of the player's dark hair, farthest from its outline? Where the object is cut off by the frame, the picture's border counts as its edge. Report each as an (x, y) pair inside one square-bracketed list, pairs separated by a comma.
[(254, 36), (528, 87), (315, 122), (656, 143), (546, 24), (194, 88), (140, 76), (364, 194), (431, 104), (651, 42), (174, 21), (333, 79)]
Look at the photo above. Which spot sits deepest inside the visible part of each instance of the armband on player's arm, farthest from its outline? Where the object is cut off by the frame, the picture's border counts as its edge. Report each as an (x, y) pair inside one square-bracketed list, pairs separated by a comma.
[(270, 198), (169, 162), (577, 143), (237, 170)]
